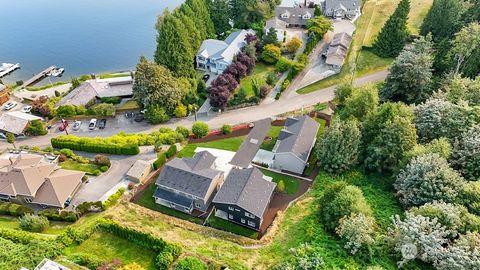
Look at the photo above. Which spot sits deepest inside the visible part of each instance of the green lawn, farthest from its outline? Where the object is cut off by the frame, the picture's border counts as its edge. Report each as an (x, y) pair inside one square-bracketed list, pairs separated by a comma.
[(291, 183), (259, 74), (12, 223), (361, 62), (273, 134), (73, 165), (113, 75), (225, 225), (146, 200), (106, 247), (230, 144)]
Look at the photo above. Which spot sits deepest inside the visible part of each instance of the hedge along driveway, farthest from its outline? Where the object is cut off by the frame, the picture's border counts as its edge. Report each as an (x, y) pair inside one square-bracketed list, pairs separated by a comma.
[(94, 145)]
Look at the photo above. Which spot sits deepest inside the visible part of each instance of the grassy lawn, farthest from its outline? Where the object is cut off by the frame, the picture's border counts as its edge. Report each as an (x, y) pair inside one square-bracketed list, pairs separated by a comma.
[(113, 75), (73, 165), (361, 62), (107, 246), (272, 133), (225, 225), (128, 105), (291, 183), (146, 200), (12, 223), (259, 74), (230, 144)]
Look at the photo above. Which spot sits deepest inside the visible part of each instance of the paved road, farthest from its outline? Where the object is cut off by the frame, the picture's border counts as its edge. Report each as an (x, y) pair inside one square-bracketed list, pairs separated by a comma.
[(283, 105)]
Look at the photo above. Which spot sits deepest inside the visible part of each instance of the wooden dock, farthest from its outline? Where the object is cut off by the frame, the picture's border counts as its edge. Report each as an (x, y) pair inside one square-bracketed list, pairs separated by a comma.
[(9, 70), (39, 76)]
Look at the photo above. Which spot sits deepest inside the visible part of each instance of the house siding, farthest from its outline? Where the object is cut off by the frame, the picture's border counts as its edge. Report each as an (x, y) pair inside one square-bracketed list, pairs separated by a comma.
[(238, 214)]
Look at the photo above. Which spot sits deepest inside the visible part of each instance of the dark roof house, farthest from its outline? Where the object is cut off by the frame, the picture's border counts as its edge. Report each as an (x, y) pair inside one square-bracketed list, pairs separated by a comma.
[(296, 16), (294, 144), (188, 184), (249, 147), (244, 197)]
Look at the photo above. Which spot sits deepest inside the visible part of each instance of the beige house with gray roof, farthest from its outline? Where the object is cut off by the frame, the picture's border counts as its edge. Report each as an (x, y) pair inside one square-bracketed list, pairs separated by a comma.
[(16, 122), (29, 179)]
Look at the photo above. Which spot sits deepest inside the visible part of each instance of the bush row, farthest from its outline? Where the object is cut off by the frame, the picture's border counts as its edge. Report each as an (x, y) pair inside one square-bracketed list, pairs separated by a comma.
[(22, 237), (172, 150), (13, 209), (55, 214), (91, 145), (161, 160), (113, 198), (87, 260)]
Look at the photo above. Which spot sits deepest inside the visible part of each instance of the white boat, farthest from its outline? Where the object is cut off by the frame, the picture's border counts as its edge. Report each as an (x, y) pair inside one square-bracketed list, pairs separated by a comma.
[(57, 72), (6, 68)]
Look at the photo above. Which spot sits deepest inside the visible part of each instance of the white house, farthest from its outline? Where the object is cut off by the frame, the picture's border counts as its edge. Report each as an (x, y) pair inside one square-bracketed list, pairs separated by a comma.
[(216, 55), (349, 9)]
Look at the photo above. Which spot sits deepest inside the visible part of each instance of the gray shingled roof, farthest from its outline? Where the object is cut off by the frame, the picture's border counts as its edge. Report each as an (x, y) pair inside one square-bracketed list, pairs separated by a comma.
[(251, 144), (338, 50), (295, 14), (189, 175), (247, 189), (225, 50), (347, 5), (297, 136), (276, 23)]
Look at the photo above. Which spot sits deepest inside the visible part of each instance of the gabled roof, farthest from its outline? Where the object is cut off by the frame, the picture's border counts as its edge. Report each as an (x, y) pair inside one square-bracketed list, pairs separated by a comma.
[(190, 175), (16, 121), (247, 189), (338, 50), (346, 5), (57, 187), (138, 168), (295, 14), (297, 137), (341, 39), (224, 50), (249, 147), (276, 23)]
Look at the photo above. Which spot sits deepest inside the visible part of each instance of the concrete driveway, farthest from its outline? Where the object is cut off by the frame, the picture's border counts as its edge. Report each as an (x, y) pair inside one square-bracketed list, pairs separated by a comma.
[(101, 187)]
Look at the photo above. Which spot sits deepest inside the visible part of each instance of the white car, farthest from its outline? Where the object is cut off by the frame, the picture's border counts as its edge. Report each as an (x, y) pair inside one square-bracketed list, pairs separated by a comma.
[(10, 105), (76, 125), (27, 109), (93, 124)]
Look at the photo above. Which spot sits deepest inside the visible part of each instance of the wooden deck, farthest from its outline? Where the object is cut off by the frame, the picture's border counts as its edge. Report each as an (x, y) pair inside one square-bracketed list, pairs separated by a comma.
[(38, 76)]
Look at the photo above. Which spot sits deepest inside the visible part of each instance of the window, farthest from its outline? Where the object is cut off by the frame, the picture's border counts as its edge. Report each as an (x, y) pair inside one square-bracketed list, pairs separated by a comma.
[(28, 200), (252, 224), (197, 205), (230, 208), (249, 215), (230, 216), (242, 220), (238, 210), (187, 209), (285, 15)]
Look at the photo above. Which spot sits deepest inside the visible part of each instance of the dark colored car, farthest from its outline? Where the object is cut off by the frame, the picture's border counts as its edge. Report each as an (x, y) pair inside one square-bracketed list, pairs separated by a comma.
[(102, 123), (129, 115), (139, 117), (206, 77)]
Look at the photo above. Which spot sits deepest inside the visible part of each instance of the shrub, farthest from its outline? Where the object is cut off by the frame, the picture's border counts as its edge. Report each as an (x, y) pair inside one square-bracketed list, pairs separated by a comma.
[(161, 160), (271, 53), (59, 215), (180, 111), (80, 110), (469, 196), (172, 150), (102, 160), (277, 96), (113, 198), (226, 129), (357, 231), (96, 145), (271, 78), (293, 44), (283, 64), (190, 263), (13, 209), (281, 186), (36, 128), (111, 100), (183, 130), (67, 152), (163, 261), (200, 129), (104, 168), (96, 172), (85, 178), (156, 115), (466, 154), (104, 109), (284, 86), (131, 266), (87, 260), (427, 178), (33, 223), (339, 200), (66, 110)]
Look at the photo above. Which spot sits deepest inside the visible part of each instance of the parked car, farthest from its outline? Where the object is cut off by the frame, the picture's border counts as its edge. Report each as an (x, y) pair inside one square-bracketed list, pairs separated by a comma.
[(63, 125), (206, 77), (10, 105), (76, 125), (139, 117), (92, 124), (3, 136), (102, 123), (27, 109), (129, 115)]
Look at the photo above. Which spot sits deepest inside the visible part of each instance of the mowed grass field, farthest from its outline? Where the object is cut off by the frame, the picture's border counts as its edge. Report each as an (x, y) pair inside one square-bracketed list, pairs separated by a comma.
[(360, 61)]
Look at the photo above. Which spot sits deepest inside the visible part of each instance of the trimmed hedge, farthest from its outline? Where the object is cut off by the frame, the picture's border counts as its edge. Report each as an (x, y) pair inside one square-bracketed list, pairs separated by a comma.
[(161, 160), (14, 209), (94, 145), (172, 150), (21, 237), (55, 214), (113, 198)]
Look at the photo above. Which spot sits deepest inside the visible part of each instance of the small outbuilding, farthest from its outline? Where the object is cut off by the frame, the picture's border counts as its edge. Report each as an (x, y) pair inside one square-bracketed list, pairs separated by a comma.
[(16, 122), (139, 171)]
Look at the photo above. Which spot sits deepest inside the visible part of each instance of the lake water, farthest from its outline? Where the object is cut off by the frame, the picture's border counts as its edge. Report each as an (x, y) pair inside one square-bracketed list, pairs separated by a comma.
[(83, 36)]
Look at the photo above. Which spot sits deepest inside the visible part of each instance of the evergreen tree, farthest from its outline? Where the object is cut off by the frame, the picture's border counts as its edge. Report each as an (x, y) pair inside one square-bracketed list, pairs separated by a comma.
[(270, 37), (220, 14), (194, 36), (174, 49), (410, 75), (202, 17), (391, 39), (443, 19)]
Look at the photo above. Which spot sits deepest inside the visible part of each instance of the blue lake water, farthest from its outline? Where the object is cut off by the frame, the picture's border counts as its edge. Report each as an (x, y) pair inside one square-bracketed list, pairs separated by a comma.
[(83, 36)]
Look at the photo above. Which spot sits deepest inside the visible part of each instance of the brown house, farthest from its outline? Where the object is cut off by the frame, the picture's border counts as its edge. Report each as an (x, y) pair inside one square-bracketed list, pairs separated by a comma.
[(29, 179), (4, 94)]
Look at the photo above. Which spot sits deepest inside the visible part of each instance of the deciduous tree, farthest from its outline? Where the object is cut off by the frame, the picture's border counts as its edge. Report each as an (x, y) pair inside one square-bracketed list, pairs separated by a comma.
[(271, 53), (293, 44)]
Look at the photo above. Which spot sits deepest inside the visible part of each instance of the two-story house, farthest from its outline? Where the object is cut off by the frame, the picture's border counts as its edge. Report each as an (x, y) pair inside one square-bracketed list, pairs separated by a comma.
[(349, 9), (216, 55), (294, 144), (189, 184), (244, 197), (286, 17)]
